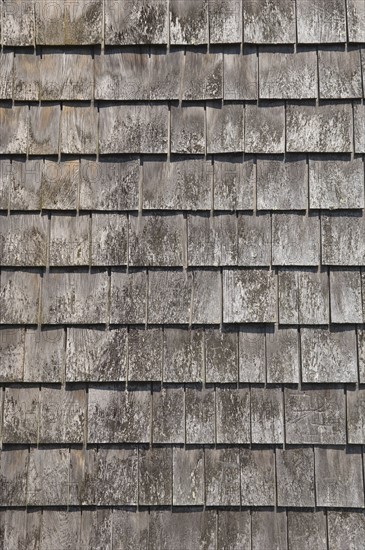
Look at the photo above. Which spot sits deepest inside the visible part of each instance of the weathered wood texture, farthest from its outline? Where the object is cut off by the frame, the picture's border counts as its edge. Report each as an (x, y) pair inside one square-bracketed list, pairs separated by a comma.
[(182, 271)]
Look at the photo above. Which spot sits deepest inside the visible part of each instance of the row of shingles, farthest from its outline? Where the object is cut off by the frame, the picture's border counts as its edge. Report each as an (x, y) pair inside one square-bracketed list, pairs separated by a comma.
[(194, 129), (195, 75), (172, 476), (175, 240), (196, 415), (290, 296), (252, 354), (185, 183), (163, 530), (174, 22)]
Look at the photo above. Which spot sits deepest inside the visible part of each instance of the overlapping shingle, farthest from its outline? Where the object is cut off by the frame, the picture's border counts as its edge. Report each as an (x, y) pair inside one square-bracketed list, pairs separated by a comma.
[(181, 283)]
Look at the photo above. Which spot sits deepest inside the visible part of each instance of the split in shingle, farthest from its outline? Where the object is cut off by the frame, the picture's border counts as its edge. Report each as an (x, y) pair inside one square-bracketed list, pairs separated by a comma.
[(188, 477), (222, 477), (321, 129), (339, 478), (303, 297), (240, 74), (282, 184), (315, 416), (328, 355), (96, 355), (328, 183), (268, 23), (267, 415), (188, 22), (288, 75)]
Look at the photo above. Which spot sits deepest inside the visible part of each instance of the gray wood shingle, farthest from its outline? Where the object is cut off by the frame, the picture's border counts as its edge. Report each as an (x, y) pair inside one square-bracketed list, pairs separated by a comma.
[(268, 23)]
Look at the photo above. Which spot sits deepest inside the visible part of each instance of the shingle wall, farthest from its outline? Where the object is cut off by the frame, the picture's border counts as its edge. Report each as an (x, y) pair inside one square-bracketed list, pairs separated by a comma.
[(182, 252)]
